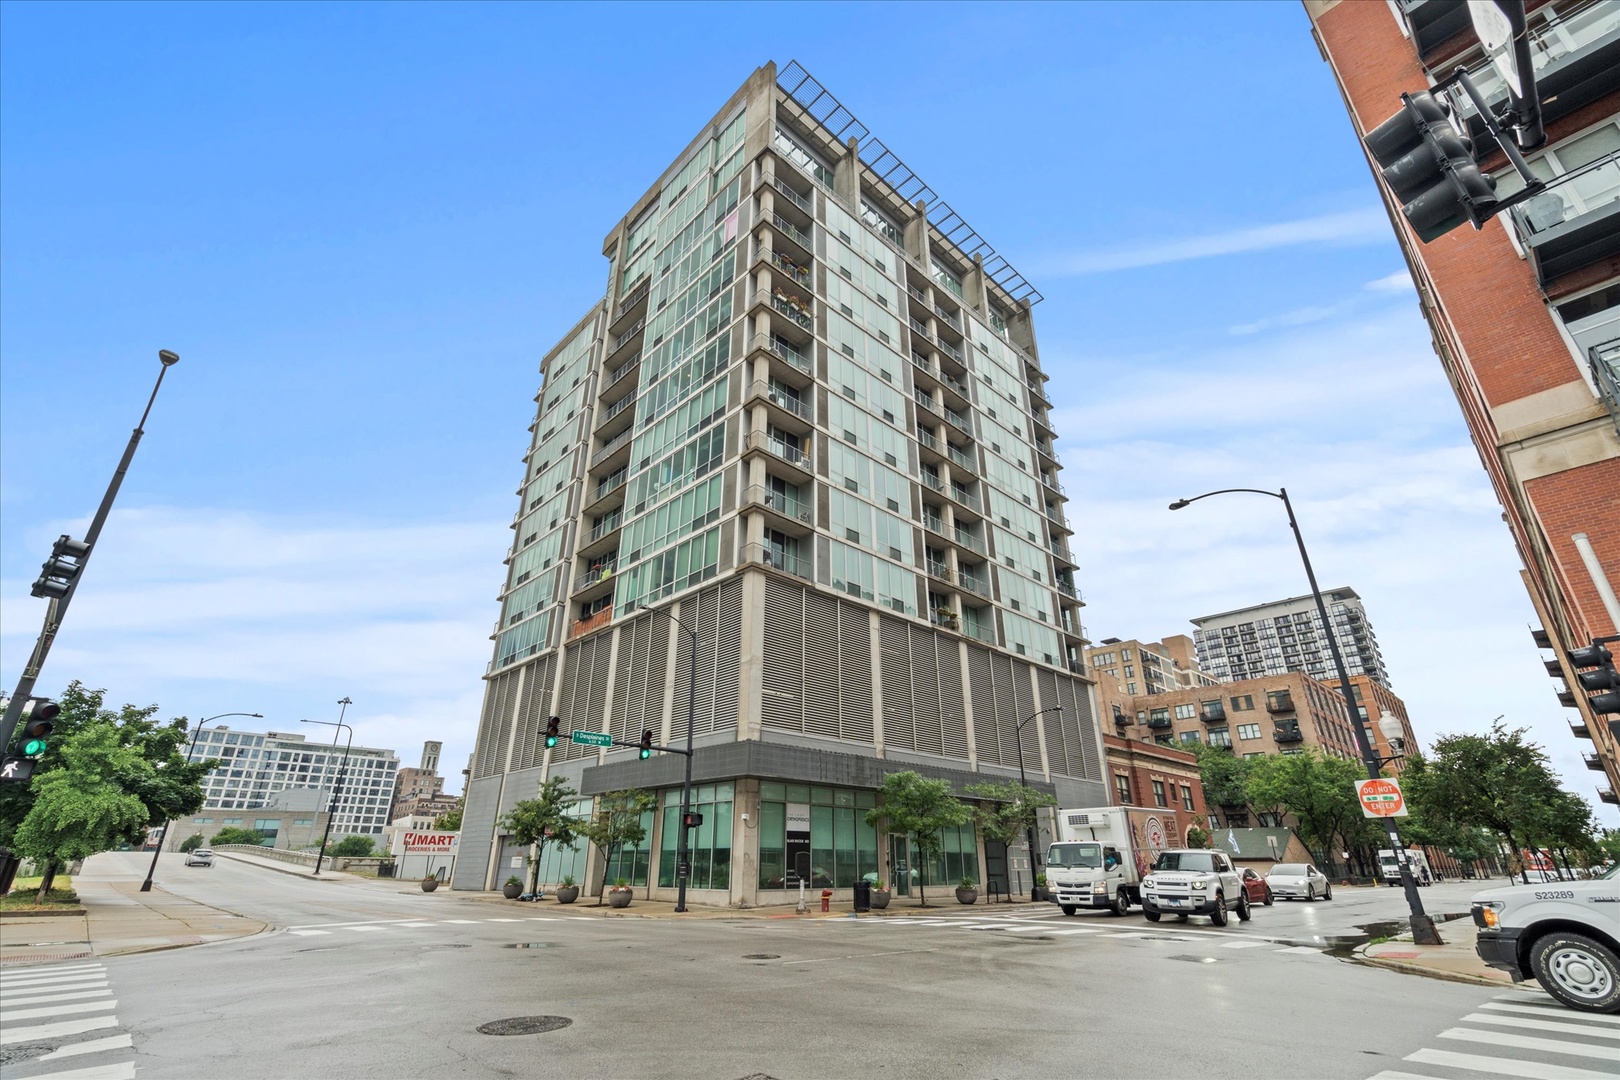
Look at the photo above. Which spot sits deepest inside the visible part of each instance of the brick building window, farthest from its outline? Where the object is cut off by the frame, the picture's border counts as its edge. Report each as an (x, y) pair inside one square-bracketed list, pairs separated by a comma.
[(1186, 796), (1122, 787), (1243, 703), (1158, 793), (1248, 731), (1186, 711), (1220, 737)]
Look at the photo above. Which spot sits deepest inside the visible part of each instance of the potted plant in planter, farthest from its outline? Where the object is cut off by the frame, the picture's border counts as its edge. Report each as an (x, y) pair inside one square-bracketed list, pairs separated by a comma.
[(619, 896), (567, 892), (430, 883), (542, 820), (513, 888), (1040, 887), (967, 891), (880, 895)]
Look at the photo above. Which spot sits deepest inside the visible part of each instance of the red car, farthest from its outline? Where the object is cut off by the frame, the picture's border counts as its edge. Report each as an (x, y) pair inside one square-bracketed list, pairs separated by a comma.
[(1255, 886)]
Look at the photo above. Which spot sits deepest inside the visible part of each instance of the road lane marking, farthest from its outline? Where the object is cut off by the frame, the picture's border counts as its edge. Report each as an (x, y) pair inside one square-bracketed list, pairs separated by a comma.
[(1541, 1025), (542, 918), (1555, 1010), (308, 933), (368, 929), (1074, 930), (1299, 949), (9, 1015), (1244, 944), (52, 1031), (1528, 1070), (460, 922), (91, 1046), (53, 976), (858, 956), (1526, 1042), (47, 986), (79, 995), (503, 920), (124, 1070)]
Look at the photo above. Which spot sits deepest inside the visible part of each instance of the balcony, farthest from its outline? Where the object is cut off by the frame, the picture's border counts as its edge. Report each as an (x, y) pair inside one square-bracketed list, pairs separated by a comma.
[(614, 411), (929, 442), (1288, 735), (798, 361), (918, 328), (1434, 22), (1051, 484), (966, 500), (1571, 226), (1579, 729), (932, 482), (1060, 551), (926, 401), (623, 370), (1280, 703), (1215, 714), (795, 199), (954, 321), (796, 308), (786, 562), (1067, 589), (798, 275), (582, 627), (592, 580), (947, 618), (603, 538), (937, 569), (1605, 358), (788, 411), (791, 232), (1593, 762), (1607, 795), (625, 338), (973, 584), (1159, 721), (960, 421), (1120, 719), (1576, 60), (785, 513), (916, 293), (962, 459), (969, 541), (631, 301), (795, 462), (609, 489), (981, 631), (613, 449)]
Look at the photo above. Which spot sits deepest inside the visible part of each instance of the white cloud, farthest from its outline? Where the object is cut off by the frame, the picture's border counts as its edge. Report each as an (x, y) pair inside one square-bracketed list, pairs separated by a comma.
[(1368, 226), (1398, 282), (1299, 317)]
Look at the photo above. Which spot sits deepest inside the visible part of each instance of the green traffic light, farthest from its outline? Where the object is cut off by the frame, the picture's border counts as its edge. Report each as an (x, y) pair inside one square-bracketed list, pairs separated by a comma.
[(551, 740), (645, 753), (33, 747)]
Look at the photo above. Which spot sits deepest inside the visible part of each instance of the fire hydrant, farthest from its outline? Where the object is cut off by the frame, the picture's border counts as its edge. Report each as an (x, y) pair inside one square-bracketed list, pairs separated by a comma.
[(826, 899)]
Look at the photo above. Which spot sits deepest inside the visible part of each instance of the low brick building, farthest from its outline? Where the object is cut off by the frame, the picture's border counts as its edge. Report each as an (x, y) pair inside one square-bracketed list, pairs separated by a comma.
[(1146, 773)]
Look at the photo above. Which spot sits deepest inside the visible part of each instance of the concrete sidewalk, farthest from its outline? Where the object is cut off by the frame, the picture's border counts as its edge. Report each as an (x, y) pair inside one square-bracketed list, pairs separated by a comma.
[(1454, 961), (663, 909), (118, 918)]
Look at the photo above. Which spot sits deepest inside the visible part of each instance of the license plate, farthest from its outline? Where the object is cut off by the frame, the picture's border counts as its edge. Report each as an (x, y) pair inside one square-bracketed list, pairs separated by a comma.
[(1176, 903)]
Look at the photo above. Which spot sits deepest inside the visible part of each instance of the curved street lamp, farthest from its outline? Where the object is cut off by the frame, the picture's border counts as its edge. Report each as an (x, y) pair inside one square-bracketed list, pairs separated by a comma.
[(1029, 825), (1423, 931), (163, 830), (337, 785), (683, 854)]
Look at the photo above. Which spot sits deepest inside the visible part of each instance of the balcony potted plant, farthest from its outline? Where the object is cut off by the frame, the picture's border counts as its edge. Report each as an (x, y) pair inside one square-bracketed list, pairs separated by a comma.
[(567, 892), (513, 888), (619, 896), (967, 891), (946, 617)]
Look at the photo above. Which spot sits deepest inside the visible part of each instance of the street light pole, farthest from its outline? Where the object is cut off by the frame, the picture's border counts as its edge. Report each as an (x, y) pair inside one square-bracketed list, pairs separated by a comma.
[(1029, 825), (163, 830), (337, 785), (1423, 930), (56, 609), (682, 852)]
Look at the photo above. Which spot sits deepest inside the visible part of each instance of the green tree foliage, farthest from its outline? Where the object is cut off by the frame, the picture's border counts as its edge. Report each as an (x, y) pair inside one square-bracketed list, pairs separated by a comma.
[(543, 820), (1608, 846), (1197, 837), (615, 822), (1225, 776), (449, 821), (1007, 811), (353, 847), (84, 805), (235, 834), (915, 807), (191, 843), (1319, 792)]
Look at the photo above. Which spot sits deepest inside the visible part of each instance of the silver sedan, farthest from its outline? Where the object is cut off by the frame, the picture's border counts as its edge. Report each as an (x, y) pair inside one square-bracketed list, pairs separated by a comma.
[(1298, 881)]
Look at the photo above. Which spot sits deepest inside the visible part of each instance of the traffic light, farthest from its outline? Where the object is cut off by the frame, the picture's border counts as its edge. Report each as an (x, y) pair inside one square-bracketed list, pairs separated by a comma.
[(693, 820), (1430, 168), (646, 745), (553, 729), (57, 574), (1603, 677), (37, 727)]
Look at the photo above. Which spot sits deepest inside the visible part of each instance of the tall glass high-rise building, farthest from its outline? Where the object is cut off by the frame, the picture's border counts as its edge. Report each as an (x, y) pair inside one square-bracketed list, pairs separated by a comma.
[(809, 422)]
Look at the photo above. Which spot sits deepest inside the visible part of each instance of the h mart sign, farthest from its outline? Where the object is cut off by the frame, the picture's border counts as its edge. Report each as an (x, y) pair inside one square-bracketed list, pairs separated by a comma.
[(1381, 798), (436, 843)]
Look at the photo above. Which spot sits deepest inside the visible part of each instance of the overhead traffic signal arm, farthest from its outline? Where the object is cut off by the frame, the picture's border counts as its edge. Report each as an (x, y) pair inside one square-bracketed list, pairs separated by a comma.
[(1597, 675)]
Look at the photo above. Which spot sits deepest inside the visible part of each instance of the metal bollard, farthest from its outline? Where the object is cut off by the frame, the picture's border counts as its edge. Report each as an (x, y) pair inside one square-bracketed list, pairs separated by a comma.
[(826, 899)]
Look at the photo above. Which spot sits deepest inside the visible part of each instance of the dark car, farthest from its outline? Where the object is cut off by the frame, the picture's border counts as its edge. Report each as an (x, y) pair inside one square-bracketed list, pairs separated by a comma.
[(1255, 887)]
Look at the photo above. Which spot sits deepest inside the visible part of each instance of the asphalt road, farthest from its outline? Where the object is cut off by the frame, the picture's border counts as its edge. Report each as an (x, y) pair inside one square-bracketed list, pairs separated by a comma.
[(380, 980)]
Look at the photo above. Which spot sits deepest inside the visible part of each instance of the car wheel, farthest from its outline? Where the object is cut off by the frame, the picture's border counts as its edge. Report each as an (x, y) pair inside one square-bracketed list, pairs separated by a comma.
[(1580, 972), (1067, 909), (1150, 915), (1121, 904), (1219, 916), (1244, 912), (1310, 894), (1269, 897), (1329, 894)]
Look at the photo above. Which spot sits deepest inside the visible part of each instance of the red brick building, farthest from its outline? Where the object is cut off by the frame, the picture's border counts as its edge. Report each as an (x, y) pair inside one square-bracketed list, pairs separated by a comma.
[(1146, 773), (1526, 313)]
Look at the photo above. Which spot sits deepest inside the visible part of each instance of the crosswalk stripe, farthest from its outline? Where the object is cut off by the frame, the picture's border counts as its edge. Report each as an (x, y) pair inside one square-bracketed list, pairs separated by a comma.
[(542, 918), (1299, 949), (503, 920), (1390, 1075), (52, 1031), (1541, 1025), (76, 996), (61, 980), (413, 925), (367, 929), (461, 922), (1528, 1070), (91, 1046), (1527, 1042), (1556, 1010), (1074, 930), (1244, 944), (123, 1070), (29, 973), (11, 1015), (308, 933)]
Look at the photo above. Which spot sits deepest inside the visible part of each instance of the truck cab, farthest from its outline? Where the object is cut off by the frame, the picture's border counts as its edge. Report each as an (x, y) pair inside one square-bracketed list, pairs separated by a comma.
[(1088, 874), (1563, 934)]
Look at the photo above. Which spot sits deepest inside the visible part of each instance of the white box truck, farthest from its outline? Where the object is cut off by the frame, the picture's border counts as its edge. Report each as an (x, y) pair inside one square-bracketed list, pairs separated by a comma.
[(1101, 855), (1389, 867)]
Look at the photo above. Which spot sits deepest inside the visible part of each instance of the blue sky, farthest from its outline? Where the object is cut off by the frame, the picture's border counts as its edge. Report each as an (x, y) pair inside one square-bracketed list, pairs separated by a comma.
[(362, 225)]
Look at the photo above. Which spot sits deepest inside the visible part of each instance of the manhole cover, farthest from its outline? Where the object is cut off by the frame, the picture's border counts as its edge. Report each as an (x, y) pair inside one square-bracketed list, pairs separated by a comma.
[(524, 1025), (1197, 959), (762, 956), (436, 948), (531, 945)]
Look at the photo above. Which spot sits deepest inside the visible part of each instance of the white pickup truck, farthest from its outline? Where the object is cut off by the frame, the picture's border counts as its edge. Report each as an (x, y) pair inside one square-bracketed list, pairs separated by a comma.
[(1564, 934)]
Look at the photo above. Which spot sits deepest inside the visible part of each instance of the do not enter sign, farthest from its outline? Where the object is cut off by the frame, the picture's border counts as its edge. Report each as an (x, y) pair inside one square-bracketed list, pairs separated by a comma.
[(1380, 798)]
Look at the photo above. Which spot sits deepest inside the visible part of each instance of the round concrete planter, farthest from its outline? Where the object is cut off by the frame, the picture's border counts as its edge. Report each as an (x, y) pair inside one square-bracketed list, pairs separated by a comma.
[(567, 894), (511, 890), (429, 884), (619, 898), (967, 896), (880, 899)]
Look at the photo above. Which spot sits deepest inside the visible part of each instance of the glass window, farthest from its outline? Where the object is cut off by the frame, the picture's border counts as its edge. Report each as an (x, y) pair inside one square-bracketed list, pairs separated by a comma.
[(1248, 731), (1186, 711), (843, 848), (1122, 787), (1158, 793), (629, 862)]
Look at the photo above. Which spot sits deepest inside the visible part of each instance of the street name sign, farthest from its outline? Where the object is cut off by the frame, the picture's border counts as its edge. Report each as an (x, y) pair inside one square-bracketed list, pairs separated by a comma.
[(592, 738), (1380, 798)]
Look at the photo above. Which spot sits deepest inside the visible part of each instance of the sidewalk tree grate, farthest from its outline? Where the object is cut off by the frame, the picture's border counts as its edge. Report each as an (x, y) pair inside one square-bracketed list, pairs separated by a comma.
[(524, 1025)]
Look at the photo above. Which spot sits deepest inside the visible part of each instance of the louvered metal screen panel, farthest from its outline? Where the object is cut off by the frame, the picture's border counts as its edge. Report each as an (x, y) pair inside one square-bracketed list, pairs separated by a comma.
[(925, 690), (1081, 727), (728, 662), (585, 692), (820, 665), (899, 729), (783, 659), (1024, 697), (982, 692), (855, 673), (532, 715), (1006, 710), (485, 761), (1057, 749), (953, 720), (702, 613)]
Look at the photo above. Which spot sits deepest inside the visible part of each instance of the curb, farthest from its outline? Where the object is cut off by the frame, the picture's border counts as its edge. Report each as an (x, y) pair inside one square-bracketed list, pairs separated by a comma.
[(65, 912), (1405, 967), (273, 869)]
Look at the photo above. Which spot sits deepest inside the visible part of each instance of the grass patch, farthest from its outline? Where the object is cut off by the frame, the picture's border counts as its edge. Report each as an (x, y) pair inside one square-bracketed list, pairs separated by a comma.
[(24, 895), (1379, 939)]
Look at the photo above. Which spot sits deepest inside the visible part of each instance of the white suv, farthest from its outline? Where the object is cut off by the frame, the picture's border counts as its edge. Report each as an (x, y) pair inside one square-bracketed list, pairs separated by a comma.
[(1194, 881)]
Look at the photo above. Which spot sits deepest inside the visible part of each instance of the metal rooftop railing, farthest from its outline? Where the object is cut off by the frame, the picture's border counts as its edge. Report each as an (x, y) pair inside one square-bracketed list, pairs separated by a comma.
[(821, 106)]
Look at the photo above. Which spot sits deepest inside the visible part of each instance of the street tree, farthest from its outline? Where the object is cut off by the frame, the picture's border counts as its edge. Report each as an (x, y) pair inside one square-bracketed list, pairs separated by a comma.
[(191, 843), (352, 847), (919, 809), (542, 820), (449, 821), (615, 822), (1007, 811), (1225, 776), (1319, 792)]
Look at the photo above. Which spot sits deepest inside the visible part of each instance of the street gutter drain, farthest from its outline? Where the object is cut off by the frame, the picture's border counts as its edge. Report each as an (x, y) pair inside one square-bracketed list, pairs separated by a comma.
[(531, 945), (524, 1025), (762, 956)]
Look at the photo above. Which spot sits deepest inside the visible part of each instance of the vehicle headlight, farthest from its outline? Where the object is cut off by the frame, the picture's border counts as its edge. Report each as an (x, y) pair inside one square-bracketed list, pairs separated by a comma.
[(1487, 913), (1147, 886), (1099, 887), (1200, 885)]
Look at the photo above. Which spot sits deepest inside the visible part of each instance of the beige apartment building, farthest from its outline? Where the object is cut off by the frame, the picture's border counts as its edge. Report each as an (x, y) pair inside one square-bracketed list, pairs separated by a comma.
[(1128, 669)]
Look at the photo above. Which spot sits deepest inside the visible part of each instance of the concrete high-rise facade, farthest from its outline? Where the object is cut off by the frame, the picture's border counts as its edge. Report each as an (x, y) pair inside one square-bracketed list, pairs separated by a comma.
[(1525, 314), (1287, 635), (808, 421), (254, 766)]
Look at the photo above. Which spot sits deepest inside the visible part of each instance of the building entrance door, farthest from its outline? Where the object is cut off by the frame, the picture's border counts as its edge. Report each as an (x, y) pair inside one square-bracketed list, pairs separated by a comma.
[(995, 867), (900, 866)]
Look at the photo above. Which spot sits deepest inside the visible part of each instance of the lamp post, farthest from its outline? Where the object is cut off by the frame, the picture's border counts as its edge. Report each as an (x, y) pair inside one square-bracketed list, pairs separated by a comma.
[(1029, 826), (337, 785), (682, 853), (1423, 931), (163, 830), (56, 609)]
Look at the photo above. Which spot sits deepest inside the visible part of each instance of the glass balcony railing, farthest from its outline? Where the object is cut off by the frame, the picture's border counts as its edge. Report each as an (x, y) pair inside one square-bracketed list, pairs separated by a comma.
[(966, 498), (790, 505), (595, 575), (959, 420), (969, 541), (1557, 40), (618, 407), (789, 353), (795, 198), (798, 311), (800, 274), (926, 437), (607, 525), (933, 483), (759, 440), (779, 397), (628, 334), (939, 570), (973, 584), (624, 369), (791, 231), (1605, 357), (611, 445), (1575, 222), (610, 484), (783, 559), (963, 459), (981, 631)]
